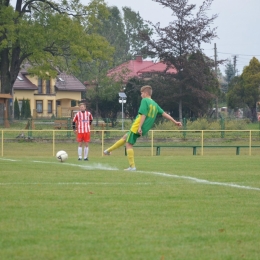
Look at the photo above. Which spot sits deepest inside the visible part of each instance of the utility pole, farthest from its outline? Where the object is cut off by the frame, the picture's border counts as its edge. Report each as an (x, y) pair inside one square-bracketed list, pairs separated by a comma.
[(216, 72), (235, 64)]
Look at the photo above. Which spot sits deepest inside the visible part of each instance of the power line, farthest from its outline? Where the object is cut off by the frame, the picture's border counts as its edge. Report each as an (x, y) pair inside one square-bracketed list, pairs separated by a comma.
[(239, 54)]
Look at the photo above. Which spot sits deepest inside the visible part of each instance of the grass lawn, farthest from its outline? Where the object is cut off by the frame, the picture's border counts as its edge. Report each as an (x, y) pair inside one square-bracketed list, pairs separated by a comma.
[(173, 207)]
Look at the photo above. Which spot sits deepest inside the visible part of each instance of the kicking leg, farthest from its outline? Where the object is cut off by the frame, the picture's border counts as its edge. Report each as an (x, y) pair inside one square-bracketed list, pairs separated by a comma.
[(116, 145)]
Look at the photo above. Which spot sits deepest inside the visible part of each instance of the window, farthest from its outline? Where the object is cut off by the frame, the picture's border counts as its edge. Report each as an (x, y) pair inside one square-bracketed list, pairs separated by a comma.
[(48, 87), (49, 106), (39, 106), (40, 86)]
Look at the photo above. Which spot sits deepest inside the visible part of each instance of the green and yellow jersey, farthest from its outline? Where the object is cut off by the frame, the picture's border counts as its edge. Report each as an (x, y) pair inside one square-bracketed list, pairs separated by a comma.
[(150, 109)]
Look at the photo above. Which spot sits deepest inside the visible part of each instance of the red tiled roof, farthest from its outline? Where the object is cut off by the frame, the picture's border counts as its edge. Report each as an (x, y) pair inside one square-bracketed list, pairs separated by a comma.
[(158, 67), (129, 69), (134, 68)]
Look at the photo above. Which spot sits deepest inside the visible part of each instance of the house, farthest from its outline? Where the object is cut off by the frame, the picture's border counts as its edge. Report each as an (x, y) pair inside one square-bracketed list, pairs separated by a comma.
[(50, 97), (137, 67)]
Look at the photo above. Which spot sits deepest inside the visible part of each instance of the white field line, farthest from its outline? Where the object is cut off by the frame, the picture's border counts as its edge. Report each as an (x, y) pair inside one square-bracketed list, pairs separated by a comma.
[(11, 160), (105, 167), (201, 180), (95, 166), (83, 183)]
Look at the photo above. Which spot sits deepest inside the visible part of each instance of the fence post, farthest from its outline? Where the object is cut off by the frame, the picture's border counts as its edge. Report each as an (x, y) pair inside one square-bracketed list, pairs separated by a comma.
[(68, 127), (29, 127), (102, 142), (107, 125), (202, 142), (184, 127), (259, 126), (152, 143), (222, 126), (250, 142), (2, 143)]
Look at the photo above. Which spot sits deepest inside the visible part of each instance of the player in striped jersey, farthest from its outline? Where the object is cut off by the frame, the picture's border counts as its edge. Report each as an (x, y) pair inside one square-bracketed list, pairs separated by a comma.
[(81, 126)]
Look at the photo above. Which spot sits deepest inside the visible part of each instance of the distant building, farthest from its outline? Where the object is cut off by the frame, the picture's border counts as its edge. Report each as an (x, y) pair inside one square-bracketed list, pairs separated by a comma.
[(50, 97), (135, 68)]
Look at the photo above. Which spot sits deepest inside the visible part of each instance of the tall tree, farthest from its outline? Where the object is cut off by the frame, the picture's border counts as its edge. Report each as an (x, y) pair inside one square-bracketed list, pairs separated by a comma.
[(183, 37), (112, 28), (245, 90), (23, 108), (229, 72), (16, 109), (50, 35), (200, 87), (27, 113), (134, 24), (121, 31)]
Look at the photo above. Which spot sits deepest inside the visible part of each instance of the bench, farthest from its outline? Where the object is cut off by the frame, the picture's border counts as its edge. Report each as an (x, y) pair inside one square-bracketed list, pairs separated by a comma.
[(158, 148), (194, 147), (61, 124)]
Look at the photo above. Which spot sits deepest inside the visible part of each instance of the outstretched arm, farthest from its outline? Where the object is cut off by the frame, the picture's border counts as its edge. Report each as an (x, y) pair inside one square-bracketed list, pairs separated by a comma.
[(141, 123), (165, 115)]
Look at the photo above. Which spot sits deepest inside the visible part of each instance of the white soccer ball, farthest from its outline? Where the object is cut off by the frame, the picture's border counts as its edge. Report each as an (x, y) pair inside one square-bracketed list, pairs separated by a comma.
[(61, 156)]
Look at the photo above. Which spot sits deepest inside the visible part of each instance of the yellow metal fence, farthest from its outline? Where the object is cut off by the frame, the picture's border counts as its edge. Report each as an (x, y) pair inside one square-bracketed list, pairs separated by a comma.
[(156, 139)]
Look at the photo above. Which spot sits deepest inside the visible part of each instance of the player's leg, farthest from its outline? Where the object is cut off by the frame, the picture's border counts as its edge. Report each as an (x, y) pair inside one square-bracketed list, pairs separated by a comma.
[(79, 139), (80, 151), (116, 145), (130, 141), (86, 148)]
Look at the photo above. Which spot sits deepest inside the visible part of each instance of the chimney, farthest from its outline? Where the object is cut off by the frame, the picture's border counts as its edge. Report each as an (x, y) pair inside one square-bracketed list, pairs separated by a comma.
[(139, 58)]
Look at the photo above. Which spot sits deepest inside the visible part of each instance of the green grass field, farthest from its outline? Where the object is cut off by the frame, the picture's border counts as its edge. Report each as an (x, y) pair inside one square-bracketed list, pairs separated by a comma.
[(173, 207)]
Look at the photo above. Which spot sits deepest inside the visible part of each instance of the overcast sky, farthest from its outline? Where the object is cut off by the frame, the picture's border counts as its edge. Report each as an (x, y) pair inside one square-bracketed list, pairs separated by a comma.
[(238, 25)]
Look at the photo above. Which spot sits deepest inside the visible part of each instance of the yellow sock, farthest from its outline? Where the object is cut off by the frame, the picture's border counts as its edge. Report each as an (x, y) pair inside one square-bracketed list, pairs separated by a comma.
[(130, 156), (116, 145)]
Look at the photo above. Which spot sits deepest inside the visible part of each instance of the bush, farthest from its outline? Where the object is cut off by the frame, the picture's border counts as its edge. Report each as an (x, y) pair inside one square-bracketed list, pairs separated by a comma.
[(235, 125), (203, 124), (165, 125)]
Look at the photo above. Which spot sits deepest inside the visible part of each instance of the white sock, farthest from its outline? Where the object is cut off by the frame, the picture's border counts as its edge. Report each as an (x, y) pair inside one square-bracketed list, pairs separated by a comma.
[(86, 152), (80, 152)]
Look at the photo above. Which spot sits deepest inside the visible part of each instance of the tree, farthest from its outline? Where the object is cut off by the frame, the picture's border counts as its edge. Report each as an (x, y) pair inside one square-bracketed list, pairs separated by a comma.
[(132, 91), (134, 24), (23, 109), (121, 32), (229, 71), (49, 35), (200, 87), (176, 43), (27, 113), (245, 91), (16, 109)]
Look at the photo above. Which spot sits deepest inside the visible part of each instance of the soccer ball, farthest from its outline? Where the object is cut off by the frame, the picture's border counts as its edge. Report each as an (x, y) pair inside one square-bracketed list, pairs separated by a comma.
[(61, 156)]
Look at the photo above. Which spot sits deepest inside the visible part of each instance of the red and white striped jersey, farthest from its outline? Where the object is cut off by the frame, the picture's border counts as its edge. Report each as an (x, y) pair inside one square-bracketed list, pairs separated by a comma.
[(83, 121)]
